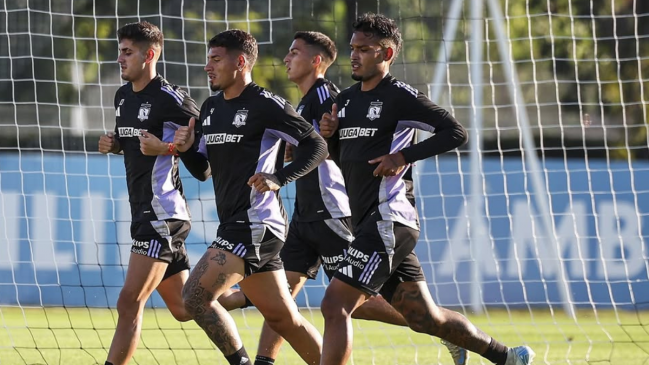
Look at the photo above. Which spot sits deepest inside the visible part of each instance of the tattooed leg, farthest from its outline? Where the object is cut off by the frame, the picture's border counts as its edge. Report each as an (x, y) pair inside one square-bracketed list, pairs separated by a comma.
[(413, 301), (215, 273)]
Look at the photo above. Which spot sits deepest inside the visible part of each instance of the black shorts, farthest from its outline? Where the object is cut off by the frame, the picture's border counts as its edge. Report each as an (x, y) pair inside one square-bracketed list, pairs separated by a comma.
[(254, 243), (311, 244), (162, 240), (381, 257)]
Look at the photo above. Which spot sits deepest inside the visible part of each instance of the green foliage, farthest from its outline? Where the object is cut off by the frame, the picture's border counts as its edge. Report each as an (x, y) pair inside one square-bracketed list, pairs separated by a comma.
[(568, 53)]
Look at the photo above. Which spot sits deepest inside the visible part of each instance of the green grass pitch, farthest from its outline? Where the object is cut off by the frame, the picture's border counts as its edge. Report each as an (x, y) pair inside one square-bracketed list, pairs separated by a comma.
[(71, 336)]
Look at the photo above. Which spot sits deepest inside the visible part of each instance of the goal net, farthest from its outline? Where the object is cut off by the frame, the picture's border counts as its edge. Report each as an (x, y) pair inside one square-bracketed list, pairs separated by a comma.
[(536, 230)]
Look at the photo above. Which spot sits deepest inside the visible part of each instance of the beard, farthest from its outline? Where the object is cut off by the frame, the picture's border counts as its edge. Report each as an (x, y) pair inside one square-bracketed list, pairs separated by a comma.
[(215, 86), (357, 77)]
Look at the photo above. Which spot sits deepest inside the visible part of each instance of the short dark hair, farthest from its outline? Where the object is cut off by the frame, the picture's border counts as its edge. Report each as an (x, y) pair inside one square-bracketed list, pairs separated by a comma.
[(325, 46), (141, 33), (237, 40), (380, 26)]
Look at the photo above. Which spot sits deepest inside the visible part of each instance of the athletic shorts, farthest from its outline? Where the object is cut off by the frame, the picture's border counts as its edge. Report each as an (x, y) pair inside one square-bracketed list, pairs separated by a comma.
[(254, 243), (381, 257), (311, 244), (162, 240)]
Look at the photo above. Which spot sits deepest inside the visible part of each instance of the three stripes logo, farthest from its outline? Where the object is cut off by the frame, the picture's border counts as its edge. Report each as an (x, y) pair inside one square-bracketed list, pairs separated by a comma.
[(347, 270), (370, 268), (240, 250), (323, 93), (277, 99), (154, 249)]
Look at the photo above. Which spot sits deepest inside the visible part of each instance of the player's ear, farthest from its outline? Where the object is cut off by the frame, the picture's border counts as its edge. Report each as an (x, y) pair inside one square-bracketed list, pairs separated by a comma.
[(389, 54), (317, 60), (241, 62), (149, 56)]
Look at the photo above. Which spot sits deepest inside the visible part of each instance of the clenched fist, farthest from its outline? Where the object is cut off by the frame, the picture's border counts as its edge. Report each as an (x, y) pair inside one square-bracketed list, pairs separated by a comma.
[(108, 143), (264, 182), (184, 137), (150, 145), (329, 122)]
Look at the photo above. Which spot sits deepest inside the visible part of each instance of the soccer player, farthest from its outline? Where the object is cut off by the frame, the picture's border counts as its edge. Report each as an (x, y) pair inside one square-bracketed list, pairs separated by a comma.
[(243, 128), (320, 230), (370, 131), (148, 110)]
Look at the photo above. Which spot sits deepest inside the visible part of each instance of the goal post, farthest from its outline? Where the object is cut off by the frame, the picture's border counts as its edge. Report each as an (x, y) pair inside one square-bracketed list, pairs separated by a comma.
[(536, 230)]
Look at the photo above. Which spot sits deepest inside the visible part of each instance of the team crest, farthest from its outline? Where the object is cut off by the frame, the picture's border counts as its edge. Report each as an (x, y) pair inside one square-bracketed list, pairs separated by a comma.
[(374, 112), (143, 113), (299, 109), (240, 118)]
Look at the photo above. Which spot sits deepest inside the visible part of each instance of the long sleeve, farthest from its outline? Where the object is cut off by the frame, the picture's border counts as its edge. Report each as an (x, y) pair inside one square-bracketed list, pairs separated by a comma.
[(421, 113), (196, 162), (312, 151)]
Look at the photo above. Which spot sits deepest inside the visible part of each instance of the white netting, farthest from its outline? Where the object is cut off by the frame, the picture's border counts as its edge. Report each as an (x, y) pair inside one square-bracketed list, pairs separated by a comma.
[(552, 93)]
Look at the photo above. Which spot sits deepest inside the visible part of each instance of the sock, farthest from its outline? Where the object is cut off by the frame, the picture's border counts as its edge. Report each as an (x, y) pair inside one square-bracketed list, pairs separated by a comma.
[(108, 363), (239, 358), (263, 360), (496, 352)]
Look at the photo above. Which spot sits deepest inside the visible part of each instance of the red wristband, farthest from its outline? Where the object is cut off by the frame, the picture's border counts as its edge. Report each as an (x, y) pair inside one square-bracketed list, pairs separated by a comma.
[(171, 148)]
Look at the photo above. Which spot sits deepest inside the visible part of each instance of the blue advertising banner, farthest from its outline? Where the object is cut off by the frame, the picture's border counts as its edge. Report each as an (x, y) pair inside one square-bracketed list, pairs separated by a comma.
[(65, 240)]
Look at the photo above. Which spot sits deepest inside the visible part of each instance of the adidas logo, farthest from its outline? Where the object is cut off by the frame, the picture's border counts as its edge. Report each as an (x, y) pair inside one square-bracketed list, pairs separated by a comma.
[(347, 270), (244, 360)]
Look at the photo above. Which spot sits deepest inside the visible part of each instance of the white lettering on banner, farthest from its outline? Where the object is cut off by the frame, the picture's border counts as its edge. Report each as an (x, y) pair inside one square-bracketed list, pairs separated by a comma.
[(621, 247), (572, 233), (93, 230), (10, 216), (43, 231), (459, 248), (617, 250), (529, 243), (122, 220), (44, 252)]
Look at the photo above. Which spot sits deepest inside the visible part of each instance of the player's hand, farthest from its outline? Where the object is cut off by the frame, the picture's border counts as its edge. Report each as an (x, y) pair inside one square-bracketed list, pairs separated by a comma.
[(108, 143), (329, 122), (184, 137), (389, 165), (288, 153), (263, 182), (150, 145)]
